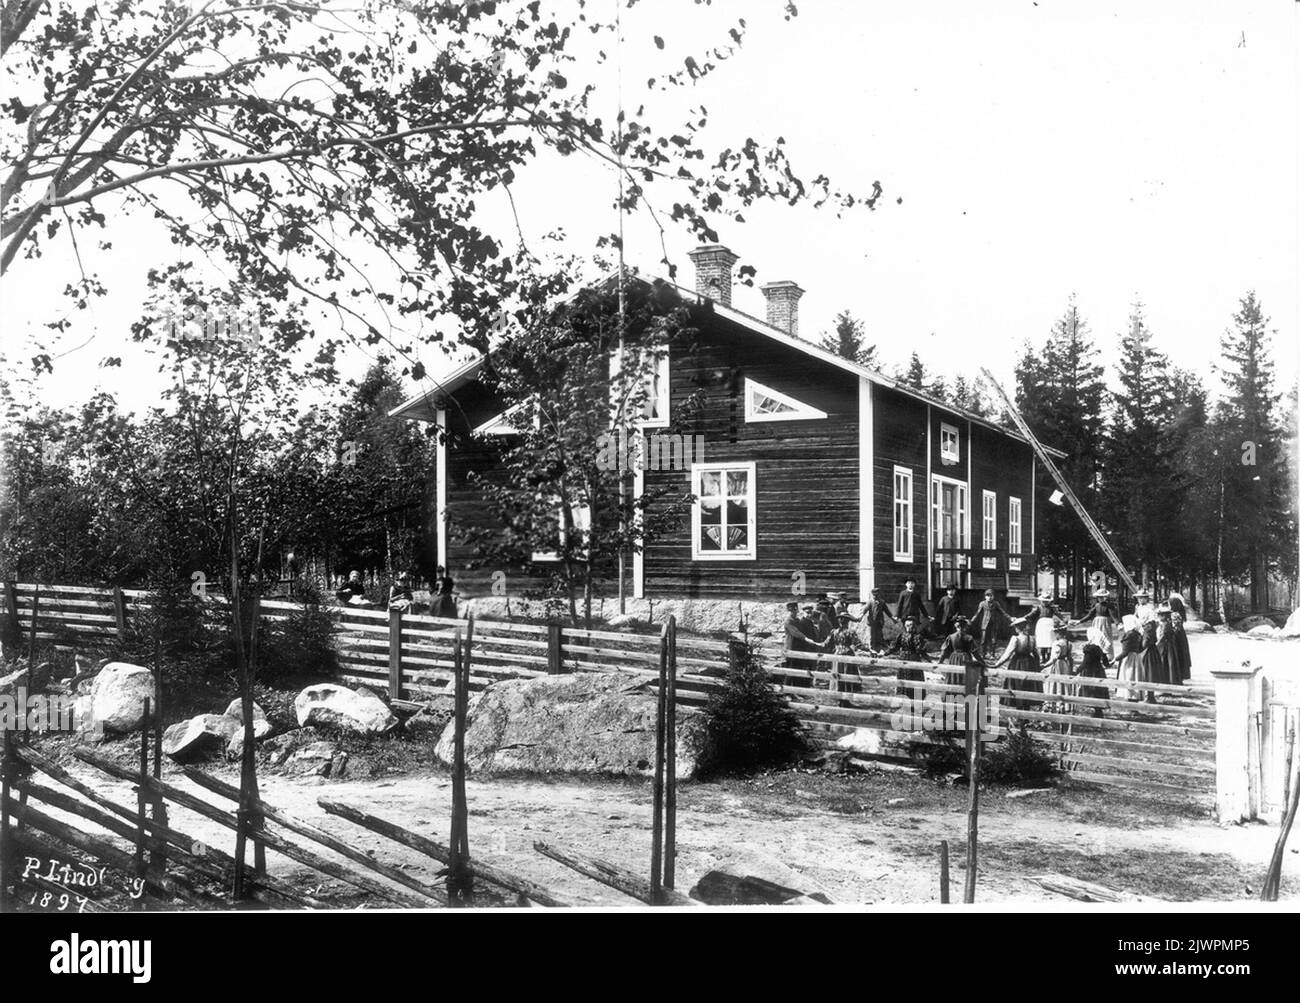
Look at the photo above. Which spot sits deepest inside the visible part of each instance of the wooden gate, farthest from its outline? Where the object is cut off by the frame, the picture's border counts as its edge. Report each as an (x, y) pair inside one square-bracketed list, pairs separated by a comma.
[(1279, 735)]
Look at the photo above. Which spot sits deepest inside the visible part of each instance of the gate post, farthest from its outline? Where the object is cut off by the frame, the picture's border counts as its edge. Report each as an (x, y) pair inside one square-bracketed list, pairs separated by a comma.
[(1237, 698)]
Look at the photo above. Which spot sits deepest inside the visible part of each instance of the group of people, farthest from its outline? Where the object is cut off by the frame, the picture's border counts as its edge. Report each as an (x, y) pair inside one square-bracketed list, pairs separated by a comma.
[(400, 595), (1147, 646)]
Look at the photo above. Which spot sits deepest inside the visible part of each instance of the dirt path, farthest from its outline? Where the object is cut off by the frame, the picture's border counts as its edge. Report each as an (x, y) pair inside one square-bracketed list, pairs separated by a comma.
[(866, 839)]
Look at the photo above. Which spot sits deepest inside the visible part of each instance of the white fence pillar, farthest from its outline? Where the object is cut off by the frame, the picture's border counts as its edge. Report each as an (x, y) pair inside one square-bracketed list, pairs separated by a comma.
[(1237, 696)]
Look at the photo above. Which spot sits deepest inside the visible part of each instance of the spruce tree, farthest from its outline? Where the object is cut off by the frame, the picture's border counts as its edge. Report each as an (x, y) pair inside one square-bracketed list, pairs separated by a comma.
[(849, 341), (1255, 511)]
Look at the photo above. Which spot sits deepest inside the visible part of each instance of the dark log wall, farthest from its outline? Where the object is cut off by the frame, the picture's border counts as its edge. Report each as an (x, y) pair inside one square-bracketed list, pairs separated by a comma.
[(806, 471), (1004, 465), (900, 439)]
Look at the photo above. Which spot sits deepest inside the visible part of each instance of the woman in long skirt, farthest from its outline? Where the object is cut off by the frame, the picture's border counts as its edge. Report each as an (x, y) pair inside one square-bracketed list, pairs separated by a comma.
[(1168, 646), (1021, 656), (1184, 649), (1095, 662), (961, 648), (1150, 666), (1128, 661)]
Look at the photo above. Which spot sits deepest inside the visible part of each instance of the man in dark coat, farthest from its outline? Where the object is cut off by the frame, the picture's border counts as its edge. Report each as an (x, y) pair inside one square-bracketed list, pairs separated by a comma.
[(910, 647), (988, 620), (946, 612), (875, 613), (911, 605), (799, 636)]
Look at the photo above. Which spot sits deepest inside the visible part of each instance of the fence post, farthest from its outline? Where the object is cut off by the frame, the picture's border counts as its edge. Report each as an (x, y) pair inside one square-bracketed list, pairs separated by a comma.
[(1237, 693), (943, 872), (14, 630), (6, 840), (36, 608), (395, 654), (142, 797), (554, 648), (670, 760), (119, 612)]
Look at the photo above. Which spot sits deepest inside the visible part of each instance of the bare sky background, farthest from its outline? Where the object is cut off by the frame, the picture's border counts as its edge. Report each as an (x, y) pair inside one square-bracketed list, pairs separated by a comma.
[(1110, 151)]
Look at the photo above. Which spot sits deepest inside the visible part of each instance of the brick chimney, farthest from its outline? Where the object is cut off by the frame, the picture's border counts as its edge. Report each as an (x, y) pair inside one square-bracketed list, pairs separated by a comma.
[(713, 264), (783, 305)]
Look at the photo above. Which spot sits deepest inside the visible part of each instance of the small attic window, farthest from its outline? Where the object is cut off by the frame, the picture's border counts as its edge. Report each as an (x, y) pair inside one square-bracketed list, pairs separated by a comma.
[(949, 443), (762, 403)]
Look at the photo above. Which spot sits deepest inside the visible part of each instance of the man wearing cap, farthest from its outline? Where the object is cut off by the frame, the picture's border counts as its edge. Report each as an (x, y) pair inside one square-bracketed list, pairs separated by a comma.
[(842, 606), (945, 612), (875, 613), (988, 620)]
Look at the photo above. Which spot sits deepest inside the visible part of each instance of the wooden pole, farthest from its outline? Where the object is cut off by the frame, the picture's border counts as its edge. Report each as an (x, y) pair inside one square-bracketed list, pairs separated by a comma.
[(15, 632), (554, 648), (119, 612), (459, 879), (670, 761), (614, 876), (31, 643), (142, 797), (6, 838), (1273, 877), (975, 682), (395, 654), (657, 818), (943, 872)]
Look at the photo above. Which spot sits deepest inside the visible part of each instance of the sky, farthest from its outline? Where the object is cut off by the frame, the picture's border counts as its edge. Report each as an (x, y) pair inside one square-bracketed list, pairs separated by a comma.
[(1041, 150)]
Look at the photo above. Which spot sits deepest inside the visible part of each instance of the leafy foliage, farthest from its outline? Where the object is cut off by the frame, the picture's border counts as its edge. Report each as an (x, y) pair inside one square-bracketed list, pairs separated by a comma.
[(1018, 758)]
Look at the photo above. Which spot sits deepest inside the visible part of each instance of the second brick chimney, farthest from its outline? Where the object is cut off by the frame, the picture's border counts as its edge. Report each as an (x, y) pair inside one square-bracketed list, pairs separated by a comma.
[(713, 265), (783, 305)]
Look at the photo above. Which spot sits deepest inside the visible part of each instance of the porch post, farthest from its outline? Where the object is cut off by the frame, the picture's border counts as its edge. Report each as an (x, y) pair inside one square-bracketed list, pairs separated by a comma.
[(1237, 697)]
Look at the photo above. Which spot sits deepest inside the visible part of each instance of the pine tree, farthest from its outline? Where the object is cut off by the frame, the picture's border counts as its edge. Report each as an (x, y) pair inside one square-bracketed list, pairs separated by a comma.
[(1255, 518), (915, 375), (1139, 466), (849, 342)]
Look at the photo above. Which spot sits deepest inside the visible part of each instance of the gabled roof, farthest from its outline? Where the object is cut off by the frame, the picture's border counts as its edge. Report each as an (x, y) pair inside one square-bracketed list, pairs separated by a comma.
[(421, 406)]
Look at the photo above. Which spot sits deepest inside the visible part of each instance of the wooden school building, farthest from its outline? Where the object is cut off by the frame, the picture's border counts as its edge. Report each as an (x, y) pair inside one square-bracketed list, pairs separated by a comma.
[(808, 464)]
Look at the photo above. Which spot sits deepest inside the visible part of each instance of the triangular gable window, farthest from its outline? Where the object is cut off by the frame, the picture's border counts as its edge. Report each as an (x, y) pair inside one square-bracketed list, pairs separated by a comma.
[(762, 403), (502, 424)]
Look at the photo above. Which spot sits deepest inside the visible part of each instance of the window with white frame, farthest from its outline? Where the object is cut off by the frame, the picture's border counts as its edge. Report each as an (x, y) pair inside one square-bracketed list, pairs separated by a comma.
[(763, 403), (581, 516), (722, 517), (902, 514), (1014, 541), (949, 443), (657, 394), (989, 541)]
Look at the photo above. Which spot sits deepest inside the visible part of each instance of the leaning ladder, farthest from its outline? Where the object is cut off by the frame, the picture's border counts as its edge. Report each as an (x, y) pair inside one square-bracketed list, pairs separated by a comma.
[(1066, 490)]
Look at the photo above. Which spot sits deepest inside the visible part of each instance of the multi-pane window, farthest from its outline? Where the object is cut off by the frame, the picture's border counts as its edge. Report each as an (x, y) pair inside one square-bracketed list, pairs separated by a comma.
[(723, 513), (949, 443), (764, 403), (902, 514), (1014, 541), (989, 541)]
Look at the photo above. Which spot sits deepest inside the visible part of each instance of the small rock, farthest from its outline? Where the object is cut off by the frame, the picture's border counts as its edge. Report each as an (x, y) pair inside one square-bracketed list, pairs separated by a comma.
[(894, 802), (358, 711), (235, 709), (192, 739)]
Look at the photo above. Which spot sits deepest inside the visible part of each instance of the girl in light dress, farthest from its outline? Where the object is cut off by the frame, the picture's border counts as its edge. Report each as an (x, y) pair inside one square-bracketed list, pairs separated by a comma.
[(1059, 662), (1130, 653)]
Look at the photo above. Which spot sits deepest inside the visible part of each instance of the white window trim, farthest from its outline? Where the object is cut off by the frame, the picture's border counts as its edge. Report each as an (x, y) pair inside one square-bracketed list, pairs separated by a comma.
[(698, 469), (501, 424), (988, 520), (902, 555), (801, 412), (664, 363), (1015, 538), (955, 453), (554, 555)]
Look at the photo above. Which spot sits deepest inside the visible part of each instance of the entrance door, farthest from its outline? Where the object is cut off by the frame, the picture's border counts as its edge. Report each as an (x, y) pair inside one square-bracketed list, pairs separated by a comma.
[(948, 518)]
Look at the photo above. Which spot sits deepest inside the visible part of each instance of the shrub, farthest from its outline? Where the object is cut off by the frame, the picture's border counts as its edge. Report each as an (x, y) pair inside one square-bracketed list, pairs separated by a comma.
[(750, 725), (1019, 758), (302, 643)]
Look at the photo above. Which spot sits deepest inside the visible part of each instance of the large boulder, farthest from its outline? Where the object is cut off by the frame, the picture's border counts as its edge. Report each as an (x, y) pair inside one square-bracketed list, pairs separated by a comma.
[(118, 695), (195, 738), (589, 722), (358, 711), (1292, 628), (1248, 623)]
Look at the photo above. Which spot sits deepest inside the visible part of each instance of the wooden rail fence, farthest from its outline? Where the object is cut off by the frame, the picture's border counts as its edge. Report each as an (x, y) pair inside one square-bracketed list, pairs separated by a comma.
[(1167, 747)]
